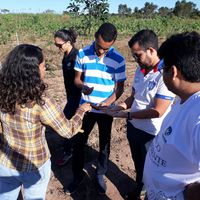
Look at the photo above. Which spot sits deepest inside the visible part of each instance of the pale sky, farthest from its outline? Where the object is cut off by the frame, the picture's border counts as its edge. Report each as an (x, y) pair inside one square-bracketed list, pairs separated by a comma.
[(59, 6)]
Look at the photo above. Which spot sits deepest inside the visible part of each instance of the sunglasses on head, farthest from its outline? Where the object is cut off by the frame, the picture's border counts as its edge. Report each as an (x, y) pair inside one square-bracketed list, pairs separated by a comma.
[(59, 45)]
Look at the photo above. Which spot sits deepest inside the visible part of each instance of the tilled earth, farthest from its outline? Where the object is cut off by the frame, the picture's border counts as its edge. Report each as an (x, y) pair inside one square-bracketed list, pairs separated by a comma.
[(121, 174)]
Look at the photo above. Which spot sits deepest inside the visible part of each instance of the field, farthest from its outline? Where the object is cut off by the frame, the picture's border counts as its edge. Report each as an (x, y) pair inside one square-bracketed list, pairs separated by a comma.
[(38, 29), (120, 174), (32, 26)]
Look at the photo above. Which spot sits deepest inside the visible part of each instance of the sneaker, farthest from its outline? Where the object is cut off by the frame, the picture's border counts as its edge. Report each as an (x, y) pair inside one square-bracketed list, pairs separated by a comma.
[(62, 161), (73, 186), (101, 185)]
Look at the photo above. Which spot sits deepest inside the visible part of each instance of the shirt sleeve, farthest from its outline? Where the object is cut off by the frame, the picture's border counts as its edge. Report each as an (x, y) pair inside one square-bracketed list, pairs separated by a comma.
[(163, 92), (79, 60), (135, 77), (52, 115), (120, 72)]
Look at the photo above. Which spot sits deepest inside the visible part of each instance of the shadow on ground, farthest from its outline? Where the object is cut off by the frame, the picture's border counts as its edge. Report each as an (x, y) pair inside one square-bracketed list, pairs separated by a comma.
[(115, 178)]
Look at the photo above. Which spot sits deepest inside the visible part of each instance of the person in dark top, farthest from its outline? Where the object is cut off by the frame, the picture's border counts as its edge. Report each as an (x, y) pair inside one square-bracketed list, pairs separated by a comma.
[(65, 40)]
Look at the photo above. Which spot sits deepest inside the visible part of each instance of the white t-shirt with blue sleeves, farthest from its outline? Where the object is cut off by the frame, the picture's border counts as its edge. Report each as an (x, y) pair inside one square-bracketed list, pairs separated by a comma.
[(100, 73), (147, 88)]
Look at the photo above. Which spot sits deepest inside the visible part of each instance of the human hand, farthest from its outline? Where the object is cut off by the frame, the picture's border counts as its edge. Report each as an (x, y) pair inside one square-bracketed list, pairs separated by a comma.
[(192, 191), (103, 105), (86, 107), (87, 90), (112, 108), (112, 113), (100, 106), (96, 107)]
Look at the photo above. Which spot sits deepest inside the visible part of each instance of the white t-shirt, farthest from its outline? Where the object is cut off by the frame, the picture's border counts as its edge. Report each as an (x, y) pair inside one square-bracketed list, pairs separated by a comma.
[(147, 88), (173, 159)]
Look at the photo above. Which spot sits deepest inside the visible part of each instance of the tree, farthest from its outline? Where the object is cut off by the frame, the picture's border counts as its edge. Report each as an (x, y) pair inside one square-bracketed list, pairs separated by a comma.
[(94, 12), (184, 9), (49, 11), (149, 10), (164, 11), (4, 11), (195, 13), (123, 9), (137, 12)]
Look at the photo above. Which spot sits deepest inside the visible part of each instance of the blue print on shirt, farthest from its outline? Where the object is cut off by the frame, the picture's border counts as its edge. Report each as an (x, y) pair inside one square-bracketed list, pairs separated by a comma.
[(151, 85)]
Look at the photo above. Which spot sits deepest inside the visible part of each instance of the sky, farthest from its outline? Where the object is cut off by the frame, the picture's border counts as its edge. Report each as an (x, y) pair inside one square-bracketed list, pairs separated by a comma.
[(37, 6)]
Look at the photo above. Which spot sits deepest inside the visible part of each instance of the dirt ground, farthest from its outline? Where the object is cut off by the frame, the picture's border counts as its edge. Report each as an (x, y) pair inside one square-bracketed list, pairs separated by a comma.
[(121, 174)]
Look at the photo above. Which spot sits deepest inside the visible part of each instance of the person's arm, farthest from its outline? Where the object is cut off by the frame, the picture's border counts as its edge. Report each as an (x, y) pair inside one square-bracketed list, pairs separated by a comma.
[(78, 80), (121, 106), (158, 110), (119, 84), (192, 191), (1, 129), (128, 102), (52, 115), (79, 72), (79, 83), (119, 89), (161, 105), (162, 100)]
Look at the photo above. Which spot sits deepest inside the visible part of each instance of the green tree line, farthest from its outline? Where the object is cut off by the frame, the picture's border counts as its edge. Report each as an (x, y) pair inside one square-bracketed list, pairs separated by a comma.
[(181, 9)]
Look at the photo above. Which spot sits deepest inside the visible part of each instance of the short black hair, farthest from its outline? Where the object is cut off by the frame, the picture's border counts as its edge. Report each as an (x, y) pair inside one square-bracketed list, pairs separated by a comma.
[(183, 51), (107, 31), (146, 38)]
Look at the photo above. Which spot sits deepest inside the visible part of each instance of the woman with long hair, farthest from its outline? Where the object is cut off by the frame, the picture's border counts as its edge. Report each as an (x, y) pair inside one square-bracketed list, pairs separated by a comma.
[(65, 40), (24, 110)]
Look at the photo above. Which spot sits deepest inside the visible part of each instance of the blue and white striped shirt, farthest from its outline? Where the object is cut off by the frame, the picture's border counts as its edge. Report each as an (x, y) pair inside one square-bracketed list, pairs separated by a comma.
[(100, 73)]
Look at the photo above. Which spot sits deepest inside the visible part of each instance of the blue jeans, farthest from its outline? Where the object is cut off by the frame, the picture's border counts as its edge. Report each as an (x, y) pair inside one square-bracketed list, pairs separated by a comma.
[(34, 183)]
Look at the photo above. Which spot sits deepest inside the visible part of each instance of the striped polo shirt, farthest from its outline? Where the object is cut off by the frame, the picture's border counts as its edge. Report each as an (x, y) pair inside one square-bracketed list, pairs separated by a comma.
[(100, 73)]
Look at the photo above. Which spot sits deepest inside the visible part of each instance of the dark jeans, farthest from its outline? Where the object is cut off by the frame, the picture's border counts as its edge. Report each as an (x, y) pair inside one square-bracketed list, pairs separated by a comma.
[(137, 140), (69, 111), (104, 124)]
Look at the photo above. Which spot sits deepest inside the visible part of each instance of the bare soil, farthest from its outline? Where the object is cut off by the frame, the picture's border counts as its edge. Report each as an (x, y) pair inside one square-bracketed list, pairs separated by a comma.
[(121, 173)]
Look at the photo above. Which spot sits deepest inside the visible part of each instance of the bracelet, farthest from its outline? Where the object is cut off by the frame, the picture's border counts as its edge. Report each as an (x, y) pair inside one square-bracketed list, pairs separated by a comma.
[(129, 116)]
